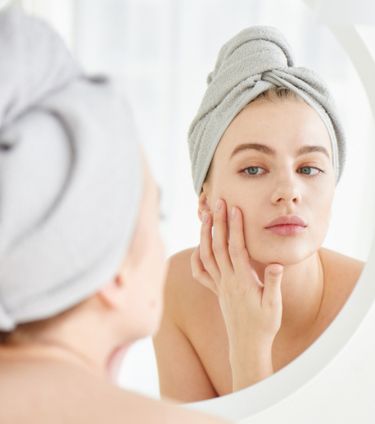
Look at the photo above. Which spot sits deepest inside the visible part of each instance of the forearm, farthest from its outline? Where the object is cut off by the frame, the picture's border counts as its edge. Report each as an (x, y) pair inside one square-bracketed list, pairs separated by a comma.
[(250, 365)]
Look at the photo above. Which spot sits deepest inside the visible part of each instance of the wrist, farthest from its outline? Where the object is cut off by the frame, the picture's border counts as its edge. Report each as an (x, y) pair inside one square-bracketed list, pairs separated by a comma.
[(254, 347), (242, 379), (251, 370), (250, 365)]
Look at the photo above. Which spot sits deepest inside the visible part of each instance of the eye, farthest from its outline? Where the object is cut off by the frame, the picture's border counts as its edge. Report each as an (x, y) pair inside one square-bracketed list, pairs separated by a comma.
[(306, 169), (252, 170)]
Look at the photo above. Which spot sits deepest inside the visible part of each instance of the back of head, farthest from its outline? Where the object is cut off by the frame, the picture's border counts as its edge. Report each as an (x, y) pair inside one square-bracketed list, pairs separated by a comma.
[(70, 175)]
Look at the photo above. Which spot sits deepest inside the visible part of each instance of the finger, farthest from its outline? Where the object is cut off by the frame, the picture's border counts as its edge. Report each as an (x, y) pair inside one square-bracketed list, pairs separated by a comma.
[(205, 248), (199, 273), (272, 285), (220, 238), (237, 248)]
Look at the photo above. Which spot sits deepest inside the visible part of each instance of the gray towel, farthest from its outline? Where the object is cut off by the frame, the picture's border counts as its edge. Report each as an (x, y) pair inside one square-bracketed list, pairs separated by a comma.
[(70, 175), (250, 63)]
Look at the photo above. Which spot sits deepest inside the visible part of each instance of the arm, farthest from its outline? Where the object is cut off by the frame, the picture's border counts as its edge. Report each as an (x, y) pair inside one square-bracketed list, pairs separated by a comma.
[(182, 375)]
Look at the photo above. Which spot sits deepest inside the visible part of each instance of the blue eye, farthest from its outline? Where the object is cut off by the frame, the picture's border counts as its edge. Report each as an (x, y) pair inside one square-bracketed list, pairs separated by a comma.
[(251, 170), (306, 168)]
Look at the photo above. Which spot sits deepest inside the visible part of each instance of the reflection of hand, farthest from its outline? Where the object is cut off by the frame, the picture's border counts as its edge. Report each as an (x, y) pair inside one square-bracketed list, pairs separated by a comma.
[(251, 310)]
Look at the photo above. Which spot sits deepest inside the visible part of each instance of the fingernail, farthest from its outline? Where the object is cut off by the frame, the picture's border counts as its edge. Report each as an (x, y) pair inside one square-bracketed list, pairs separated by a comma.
[(205, 218), (232, 212), (218, 204)]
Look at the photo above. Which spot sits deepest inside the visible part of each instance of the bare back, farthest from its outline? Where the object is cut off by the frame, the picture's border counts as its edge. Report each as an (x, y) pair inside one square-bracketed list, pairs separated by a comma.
[(191, 346), (52, 391)]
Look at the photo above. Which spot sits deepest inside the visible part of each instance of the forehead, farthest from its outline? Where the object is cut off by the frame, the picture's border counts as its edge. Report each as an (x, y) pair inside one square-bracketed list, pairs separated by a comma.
[(285, 125)]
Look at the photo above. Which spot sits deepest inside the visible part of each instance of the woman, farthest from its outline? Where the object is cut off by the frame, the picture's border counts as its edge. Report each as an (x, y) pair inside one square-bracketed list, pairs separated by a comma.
[(81, 260), (267, 151)]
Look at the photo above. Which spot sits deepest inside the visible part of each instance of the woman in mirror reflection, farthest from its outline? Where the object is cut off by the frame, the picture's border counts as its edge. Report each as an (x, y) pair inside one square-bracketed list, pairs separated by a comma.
[(82, 267), (267, 151)]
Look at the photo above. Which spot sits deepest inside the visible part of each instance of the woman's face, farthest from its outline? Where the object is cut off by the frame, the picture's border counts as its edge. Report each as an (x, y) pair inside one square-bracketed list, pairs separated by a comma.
[(262, 165)]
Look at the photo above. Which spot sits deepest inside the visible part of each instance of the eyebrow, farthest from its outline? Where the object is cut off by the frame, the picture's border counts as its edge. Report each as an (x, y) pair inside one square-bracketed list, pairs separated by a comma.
[(269, 151)]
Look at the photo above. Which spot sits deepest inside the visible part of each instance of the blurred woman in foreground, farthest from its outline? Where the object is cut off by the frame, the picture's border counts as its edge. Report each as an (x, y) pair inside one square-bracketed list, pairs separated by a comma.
[(81, 260)]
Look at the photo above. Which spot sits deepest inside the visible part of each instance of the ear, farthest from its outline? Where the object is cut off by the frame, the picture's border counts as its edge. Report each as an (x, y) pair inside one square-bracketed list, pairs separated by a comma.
[(203, 202), (111, 294)]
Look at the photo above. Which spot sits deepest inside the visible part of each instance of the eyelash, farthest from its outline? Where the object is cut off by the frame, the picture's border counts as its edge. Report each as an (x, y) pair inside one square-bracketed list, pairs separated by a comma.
[(259, 175)]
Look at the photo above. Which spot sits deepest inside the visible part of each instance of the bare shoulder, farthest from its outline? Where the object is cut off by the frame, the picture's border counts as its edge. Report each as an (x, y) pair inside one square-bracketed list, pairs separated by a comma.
[(340, 264), (37, 389), (141, 409), (342, 273), (179, 264), (180, 280), (157, 411)]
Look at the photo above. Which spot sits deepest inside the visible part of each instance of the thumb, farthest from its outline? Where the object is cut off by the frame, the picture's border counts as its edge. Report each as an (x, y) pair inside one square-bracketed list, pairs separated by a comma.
[(272, 285)]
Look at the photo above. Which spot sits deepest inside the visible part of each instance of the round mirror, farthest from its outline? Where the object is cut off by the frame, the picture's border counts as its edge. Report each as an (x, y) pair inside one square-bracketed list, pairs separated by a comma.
[(263, 396), (160, 53)]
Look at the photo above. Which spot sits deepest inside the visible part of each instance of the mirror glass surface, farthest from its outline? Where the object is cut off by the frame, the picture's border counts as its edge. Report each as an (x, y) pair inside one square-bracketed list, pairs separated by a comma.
[(159, 53)]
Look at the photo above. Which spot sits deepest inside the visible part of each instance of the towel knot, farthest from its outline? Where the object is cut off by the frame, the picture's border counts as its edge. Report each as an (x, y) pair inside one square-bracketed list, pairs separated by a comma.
[(255, 60)]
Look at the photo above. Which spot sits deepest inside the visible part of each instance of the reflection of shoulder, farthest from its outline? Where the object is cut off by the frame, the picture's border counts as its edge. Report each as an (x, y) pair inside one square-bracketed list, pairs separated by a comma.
[(179, 274), (179, 264), (342, 271), (341, 263), (183, 292)]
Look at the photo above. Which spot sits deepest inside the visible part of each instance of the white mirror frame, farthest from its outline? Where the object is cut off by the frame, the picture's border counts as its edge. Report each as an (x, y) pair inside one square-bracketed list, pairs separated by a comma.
[(248, 404)]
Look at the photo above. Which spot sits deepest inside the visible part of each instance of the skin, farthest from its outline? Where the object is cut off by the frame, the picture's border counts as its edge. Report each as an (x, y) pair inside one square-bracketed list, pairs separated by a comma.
[(62, 368), (246, 301)]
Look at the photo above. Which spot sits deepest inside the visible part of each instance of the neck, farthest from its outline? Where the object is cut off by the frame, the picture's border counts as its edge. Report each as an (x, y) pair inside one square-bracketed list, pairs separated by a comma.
[(77, 346), (302, 289)]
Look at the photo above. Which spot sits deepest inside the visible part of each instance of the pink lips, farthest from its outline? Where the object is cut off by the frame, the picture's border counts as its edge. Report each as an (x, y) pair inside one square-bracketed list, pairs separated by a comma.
[(287, 225)]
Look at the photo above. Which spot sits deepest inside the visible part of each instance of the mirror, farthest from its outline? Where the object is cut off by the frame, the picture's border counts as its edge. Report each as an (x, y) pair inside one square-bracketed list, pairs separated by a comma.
[(335, 240), (163, 71), (309, 403)]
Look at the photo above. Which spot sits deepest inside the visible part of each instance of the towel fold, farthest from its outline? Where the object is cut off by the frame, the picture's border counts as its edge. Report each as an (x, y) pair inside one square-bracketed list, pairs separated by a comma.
[(70, 175), (250, 63)]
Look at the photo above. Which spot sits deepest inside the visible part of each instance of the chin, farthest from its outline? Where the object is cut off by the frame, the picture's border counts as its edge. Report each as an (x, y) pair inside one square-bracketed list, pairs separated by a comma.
[(285, 256), (285, 250)]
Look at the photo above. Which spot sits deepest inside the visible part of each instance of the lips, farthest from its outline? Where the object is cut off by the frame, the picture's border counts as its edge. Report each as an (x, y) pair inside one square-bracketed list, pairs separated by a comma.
[(287, 225), (292, 220)]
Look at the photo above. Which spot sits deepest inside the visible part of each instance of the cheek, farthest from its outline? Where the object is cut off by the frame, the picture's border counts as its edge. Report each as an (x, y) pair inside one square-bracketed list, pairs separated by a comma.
[(242, 197), (320, 207), (265, 248), (321, 219), (251, 206), (325, 206)]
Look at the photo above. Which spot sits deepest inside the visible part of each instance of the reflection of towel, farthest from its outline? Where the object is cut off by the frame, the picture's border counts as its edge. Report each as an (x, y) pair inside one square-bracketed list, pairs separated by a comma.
[(248, 64), (70, 175)]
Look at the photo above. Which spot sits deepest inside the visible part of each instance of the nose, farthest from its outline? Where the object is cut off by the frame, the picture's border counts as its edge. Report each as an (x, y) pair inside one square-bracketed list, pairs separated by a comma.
[(286, 192)]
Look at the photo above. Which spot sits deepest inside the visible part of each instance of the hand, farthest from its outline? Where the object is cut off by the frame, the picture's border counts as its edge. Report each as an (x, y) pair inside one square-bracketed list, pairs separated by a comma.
[(251, 310)]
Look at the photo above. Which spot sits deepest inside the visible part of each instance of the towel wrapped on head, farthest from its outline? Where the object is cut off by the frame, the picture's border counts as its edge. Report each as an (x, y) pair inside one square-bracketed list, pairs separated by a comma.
[(70, 175), (252, 62)]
